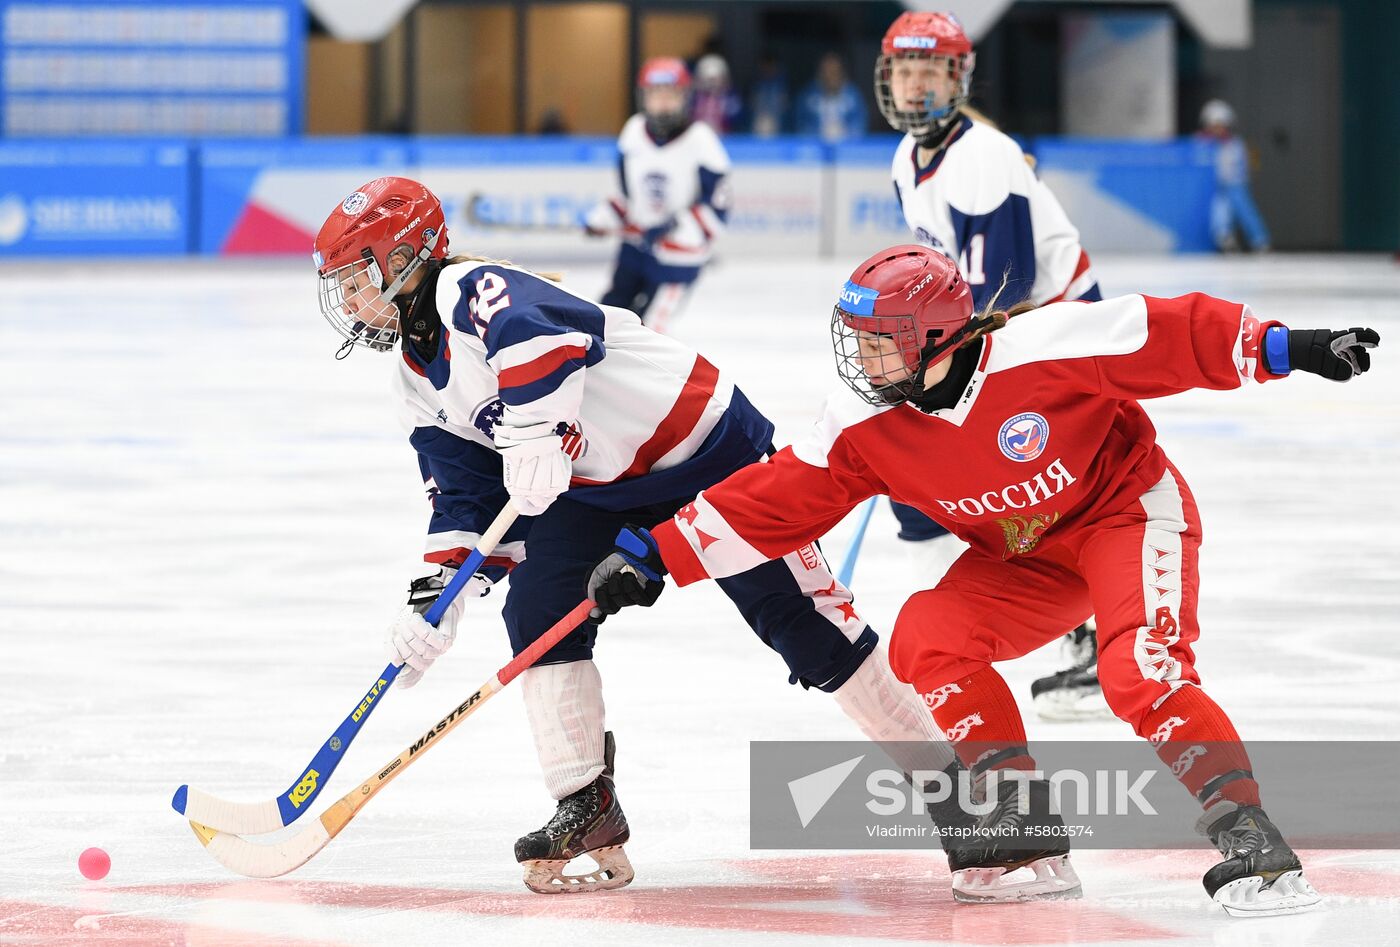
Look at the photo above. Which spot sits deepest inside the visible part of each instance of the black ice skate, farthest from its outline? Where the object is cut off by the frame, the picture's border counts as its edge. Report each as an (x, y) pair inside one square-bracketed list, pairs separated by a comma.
[(1260, 875), (1008, 841), (1074, 693), (588, 822), (954, 826)]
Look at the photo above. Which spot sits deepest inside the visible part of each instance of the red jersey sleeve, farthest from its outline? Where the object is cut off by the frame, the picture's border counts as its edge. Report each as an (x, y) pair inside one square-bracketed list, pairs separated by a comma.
[(763, 512), (1193, 341), (1136, 347)]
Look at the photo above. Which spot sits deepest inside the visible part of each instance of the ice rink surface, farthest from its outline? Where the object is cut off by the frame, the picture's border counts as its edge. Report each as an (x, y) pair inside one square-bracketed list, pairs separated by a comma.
[(206, 523)]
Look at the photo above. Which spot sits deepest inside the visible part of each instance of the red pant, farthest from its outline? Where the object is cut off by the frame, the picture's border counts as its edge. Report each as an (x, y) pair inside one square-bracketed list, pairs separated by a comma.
[(1135, 570)]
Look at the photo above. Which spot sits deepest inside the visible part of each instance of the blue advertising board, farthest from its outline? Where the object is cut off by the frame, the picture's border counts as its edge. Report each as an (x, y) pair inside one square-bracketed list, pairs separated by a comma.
[(60, 199), (790, 196), (1165, 186)]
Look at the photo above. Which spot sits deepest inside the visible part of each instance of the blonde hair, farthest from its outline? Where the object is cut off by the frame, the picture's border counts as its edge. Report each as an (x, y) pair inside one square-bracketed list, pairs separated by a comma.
[(977, 115), (991, 318)]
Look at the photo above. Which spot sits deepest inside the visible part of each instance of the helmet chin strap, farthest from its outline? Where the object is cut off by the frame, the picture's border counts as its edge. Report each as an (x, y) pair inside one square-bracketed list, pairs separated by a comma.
[(934, 352), (392, 290)]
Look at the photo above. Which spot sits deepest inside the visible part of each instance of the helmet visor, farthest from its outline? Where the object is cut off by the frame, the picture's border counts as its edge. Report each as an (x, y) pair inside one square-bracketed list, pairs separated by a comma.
[(352, 301)]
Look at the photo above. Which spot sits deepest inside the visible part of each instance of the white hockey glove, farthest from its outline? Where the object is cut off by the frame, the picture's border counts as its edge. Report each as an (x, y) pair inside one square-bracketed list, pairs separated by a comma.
[(602, 219), (536, 468), (413, 643)]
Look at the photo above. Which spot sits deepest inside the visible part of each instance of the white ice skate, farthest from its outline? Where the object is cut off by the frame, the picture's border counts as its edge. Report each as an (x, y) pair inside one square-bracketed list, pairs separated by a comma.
[(548, 875), (1045, 879), (1247, 897)]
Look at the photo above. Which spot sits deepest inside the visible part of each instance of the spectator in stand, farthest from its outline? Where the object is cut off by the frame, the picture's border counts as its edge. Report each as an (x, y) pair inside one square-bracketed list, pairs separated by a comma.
[(832, 108), (769, 102), (552, 122), (715, 103), (1232, 210)]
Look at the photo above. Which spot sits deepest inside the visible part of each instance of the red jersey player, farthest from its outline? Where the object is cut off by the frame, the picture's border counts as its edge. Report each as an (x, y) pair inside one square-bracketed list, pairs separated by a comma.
[(1025, 438)]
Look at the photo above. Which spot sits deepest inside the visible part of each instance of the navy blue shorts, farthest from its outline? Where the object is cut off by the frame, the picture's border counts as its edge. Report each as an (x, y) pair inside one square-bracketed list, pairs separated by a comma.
[(639, 282)]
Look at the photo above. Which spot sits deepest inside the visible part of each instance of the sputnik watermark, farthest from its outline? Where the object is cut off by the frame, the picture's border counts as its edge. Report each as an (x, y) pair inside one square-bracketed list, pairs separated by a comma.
[(891, 793), (1104, 792)]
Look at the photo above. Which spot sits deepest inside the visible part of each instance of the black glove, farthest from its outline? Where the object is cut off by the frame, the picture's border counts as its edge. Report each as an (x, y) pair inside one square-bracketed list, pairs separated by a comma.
[(631, 575), (1337, 355)]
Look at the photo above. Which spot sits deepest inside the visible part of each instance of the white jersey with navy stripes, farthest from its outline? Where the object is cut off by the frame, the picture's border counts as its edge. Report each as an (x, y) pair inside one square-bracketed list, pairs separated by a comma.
[(680, 180), (979, 202), (651, 421)]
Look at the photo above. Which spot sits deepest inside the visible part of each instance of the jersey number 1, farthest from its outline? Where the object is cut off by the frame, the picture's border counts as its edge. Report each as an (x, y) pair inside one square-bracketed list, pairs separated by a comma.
[(971, 261)]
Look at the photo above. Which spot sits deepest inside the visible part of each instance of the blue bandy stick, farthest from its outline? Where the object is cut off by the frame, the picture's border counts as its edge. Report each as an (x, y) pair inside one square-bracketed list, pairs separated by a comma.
[(252, 818), (848, 567)]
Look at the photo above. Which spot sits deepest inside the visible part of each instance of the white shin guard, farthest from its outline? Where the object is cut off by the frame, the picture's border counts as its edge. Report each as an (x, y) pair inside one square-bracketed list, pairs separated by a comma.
[(888, 712), (564, 703)]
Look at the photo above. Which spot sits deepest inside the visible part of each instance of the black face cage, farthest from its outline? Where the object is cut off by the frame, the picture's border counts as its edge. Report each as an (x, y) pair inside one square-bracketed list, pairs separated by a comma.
[(665, 124), (845, 342), (930, 119)]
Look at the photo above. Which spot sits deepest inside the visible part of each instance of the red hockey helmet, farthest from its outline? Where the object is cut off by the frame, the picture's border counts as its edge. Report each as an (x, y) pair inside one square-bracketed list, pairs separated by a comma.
[(902, 310), (663, 70), (912, 102), (389, 216)]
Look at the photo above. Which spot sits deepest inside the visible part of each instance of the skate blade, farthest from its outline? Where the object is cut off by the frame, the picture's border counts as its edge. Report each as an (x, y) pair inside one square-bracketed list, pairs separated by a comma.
[(1069, 707), (1054, 880), (1247, 897), (546, 876)]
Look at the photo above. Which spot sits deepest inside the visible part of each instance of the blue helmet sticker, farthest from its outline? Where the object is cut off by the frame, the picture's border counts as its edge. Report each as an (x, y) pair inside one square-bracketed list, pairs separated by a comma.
[(858, 300)]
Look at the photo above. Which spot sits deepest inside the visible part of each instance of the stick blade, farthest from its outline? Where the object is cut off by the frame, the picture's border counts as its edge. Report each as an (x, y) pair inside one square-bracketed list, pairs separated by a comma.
[(262, 861), (243, 818)]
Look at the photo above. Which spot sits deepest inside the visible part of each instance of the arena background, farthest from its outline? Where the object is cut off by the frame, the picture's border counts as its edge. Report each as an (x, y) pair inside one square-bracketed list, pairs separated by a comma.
[(229, 127), (207, 522)]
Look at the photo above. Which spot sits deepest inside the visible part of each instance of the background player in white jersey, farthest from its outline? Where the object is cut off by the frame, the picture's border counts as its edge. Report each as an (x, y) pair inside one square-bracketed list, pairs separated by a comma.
[(674, 199), (968, 191), (512, 388)]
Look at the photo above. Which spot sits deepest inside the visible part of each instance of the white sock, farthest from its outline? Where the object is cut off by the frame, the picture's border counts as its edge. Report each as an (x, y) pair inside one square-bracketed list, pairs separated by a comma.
[(888, 712), (565, 705)]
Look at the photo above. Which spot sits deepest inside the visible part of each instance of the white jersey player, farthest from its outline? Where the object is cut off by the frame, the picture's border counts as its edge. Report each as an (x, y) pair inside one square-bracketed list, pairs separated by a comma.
[(968, 191), (965, 188), (514, 389), (673, 203)]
